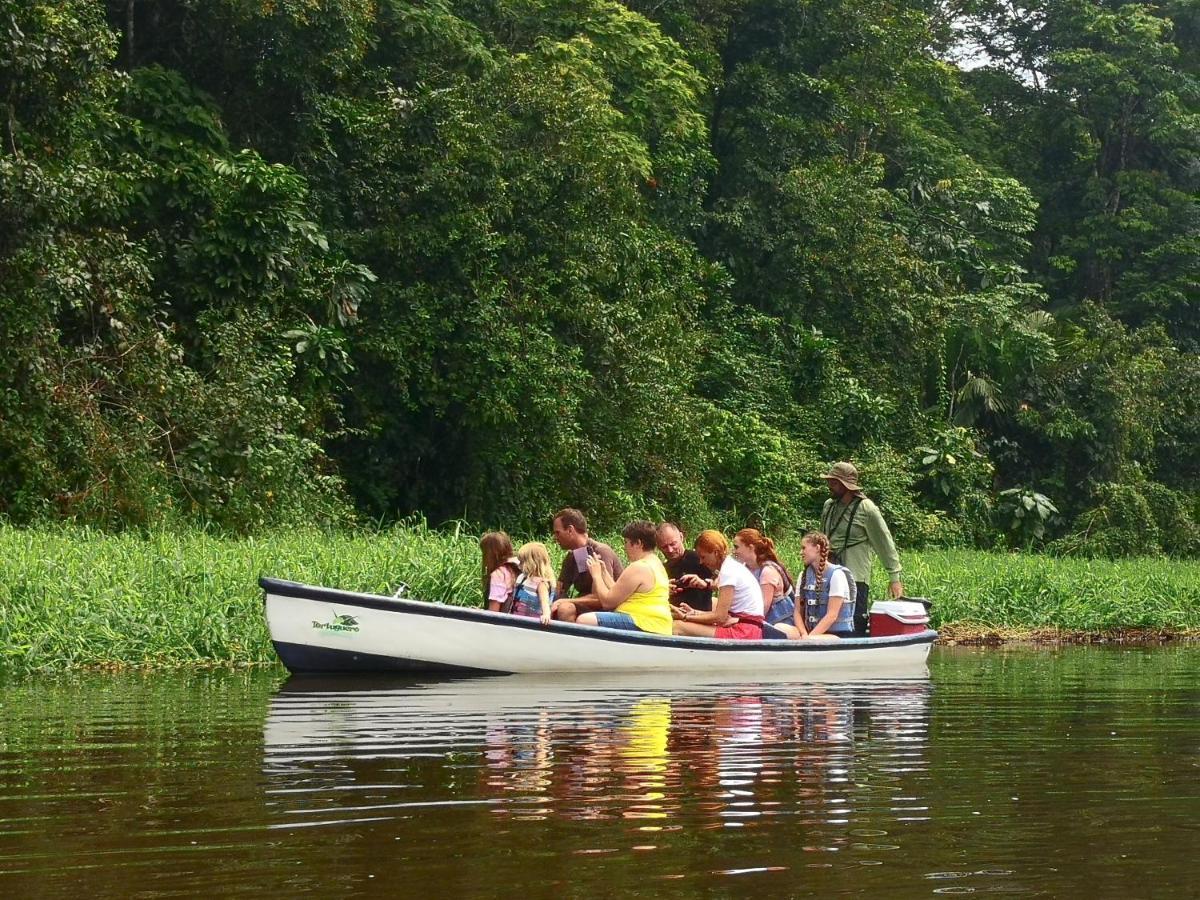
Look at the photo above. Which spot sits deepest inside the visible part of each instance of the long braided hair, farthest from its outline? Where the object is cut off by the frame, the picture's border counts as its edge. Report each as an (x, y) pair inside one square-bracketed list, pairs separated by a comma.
[(821, 542)]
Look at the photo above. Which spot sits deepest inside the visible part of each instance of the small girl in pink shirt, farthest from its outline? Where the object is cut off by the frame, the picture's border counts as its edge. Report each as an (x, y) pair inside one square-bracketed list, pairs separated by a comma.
[(500, 569)]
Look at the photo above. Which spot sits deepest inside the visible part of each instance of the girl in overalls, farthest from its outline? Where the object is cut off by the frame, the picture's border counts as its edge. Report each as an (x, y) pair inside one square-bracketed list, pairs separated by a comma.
[(535, 586), (827, 610)]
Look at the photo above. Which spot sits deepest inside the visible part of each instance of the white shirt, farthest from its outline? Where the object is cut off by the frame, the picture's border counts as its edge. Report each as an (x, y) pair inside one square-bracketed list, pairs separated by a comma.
[(747, 594)]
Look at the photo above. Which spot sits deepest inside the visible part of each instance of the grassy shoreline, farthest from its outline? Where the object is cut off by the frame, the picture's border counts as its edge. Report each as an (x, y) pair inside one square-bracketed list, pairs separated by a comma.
[(78, 598)]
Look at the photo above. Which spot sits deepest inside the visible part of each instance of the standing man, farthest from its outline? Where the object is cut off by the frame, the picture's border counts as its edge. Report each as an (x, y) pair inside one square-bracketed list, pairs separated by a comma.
[(696, 592), (571, 533), (856, 530)]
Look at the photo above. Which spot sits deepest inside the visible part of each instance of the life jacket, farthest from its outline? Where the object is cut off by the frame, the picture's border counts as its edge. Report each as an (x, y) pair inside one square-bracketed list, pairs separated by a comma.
[(816, 603), (525, 597), (783, 607)]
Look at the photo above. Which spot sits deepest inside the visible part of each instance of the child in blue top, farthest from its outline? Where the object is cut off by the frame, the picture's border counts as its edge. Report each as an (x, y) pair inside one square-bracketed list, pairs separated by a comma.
[(535, 586)]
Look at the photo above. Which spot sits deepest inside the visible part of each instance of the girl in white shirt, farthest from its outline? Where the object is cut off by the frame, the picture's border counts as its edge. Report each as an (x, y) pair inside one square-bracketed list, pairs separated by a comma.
[(737, 611)]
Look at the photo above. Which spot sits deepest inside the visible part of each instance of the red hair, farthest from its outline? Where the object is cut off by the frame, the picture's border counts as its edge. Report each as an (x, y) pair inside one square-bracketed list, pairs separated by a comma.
[(763, 546), (712, 541)]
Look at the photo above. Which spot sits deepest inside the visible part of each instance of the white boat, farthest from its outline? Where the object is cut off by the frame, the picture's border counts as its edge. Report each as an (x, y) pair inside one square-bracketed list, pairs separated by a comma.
[(320, 629)]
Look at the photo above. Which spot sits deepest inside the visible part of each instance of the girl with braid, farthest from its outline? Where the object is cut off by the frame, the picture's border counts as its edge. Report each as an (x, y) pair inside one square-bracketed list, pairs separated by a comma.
[(827, 610)]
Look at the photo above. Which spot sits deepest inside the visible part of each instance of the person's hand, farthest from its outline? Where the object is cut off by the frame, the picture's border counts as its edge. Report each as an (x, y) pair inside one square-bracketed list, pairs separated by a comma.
[(557, 605), (730, 621), (673, 586), (546, 618), (682, 611), (595, 566), (690, 580), (897, 589)]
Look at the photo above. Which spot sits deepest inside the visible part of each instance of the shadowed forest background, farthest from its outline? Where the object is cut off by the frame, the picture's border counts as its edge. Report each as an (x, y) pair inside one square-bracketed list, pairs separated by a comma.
[(264, 263)]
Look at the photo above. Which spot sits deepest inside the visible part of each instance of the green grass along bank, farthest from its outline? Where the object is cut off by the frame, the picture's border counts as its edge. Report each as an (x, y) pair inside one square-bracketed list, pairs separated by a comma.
[(73, 597)]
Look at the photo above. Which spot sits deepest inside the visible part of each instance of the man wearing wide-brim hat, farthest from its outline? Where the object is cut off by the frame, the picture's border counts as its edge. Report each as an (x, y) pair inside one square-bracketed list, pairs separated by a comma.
[(857, 532)]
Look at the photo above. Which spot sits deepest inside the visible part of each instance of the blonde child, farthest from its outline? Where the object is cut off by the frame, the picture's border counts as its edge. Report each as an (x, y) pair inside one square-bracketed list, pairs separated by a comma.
[(535, 586)]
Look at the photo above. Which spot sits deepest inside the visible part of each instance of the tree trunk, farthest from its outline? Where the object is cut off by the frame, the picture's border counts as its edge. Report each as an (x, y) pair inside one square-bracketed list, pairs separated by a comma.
[(10, 128), (129, 44)]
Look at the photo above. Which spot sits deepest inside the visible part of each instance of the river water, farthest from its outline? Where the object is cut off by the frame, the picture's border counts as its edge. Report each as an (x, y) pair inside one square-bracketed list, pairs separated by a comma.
[(1044, 773)]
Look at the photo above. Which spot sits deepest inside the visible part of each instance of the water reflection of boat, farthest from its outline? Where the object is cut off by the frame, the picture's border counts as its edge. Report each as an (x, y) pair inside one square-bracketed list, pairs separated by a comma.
[(312, 710), (648, 748), (317, 629)]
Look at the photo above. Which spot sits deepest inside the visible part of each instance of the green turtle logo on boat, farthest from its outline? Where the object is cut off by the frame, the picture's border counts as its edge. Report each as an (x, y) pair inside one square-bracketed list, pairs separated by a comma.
[(341, 623)]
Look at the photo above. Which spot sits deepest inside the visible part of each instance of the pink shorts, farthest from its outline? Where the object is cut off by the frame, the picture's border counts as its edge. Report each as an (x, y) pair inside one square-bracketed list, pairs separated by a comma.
[(742, 631)]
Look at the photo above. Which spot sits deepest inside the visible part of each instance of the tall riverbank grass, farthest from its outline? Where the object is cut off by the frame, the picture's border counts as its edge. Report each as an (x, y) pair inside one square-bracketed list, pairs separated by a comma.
[(73, 597)]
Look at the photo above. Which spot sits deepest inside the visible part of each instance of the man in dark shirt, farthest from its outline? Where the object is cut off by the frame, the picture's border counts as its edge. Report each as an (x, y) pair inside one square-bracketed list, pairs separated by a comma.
[(571, 533), (680, 562)]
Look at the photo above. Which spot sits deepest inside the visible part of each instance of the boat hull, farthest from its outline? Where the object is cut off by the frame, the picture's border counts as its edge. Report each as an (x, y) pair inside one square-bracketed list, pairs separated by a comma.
[(317, 629)]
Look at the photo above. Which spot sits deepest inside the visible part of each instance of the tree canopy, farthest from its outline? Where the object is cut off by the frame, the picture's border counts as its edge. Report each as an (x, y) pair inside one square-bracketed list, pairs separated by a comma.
[(338, 260)]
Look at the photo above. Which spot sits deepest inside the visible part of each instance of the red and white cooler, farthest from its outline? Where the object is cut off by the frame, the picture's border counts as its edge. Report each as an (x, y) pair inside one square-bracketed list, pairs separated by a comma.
[(892, 617)]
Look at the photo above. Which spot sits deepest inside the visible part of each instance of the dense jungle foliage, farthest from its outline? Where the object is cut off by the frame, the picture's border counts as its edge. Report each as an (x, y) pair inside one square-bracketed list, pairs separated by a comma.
[(269, 261)]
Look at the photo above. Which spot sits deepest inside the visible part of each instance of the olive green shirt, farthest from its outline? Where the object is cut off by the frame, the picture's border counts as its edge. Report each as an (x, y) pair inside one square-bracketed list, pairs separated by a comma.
[(868, 534)]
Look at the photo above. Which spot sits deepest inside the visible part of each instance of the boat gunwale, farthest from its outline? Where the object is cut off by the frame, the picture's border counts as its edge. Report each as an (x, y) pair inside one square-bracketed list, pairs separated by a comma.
[(300, 591)]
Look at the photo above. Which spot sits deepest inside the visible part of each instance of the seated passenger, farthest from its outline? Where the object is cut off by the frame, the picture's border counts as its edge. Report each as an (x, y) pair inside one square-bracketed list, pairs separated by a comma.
[(500, 570), (689, 577), (827, 610), (571, 533), (737, 612), (638, 599), (534, 590), (757, 552)]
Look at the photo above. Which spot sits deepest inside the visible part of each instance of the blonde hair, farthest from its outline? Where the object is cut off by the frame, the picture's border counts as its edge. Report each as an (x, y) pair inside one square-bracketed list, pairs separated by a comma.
[(535, 560)]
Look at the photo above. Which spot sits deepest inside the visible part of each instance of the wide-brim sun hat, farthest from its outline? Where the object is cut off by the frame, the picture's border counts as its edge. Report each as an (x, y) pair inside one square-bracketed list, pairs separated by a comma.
[(847, 474)]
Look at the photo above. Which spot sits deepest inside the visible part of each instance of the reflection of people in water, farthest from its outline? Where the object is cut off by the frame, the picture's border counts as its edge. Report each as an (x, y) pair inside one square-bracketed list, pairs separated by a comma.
[(740, 755), (520, 755), (738, 725), (643, 750), (570, 762)]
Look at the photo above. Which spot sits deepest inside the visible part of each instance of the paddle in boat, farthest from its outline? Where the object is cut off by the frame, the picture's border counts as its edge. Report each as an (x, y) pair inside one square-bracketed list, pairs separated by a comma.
[(320, 629)]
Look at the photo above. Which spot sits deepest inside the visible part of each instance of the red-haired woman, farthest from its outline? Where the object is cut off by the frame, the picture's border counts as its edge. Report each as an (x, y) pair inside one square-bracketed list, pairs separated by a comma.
[(827, 609), (752, 548), (500, 569), (737, 611)]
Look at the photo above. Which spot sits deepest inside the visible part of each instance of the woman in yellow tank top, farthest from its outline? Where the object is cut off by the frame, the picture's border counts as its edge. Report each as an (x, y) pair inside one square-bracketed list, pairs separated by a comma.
[(638, 600)]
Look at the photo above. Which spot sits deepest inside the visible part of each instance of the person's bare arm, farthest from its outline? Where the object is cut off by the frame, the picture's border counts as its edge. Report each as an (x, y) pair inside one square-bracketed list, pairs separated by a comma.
[(798, 618), (768, 592), (720, 610), (831, 616)]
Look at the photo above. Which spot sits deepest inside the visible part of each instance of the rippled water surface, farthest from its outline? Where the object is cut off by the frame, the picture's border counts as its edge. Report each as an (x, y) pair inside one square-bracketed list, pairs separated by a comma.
[(1041, 773)]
